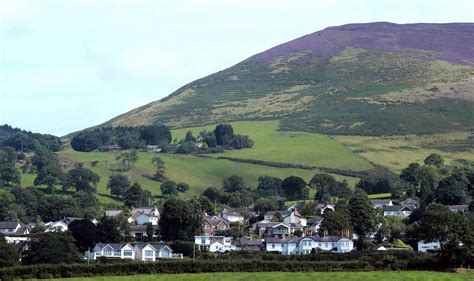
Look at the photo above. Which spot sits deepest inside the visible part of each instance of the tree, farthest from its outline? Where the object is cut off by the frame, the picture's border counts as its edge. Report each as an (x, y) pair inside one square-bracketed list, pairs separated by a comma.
[(189, 137), (207, 206), (84, 232), (209, 138), (8, 254), (362, 215), (52, 208), (9, 175), (234, 184), (268, 186), (155, 134), (182, 187), (224, 134), (266, 204), (49, 170), (180, 220), (81, 179), (452, 190), (213, 194), (411, 174), (239, 142), (52, 248), (308, 209), (294, 188), (323, 183), (435, 160), (86, 141), (335, 223), (137, 197), (109, 230), (149, 231), (118, 184), (160, 168), (87, 203), (128, 157), (375, 185), (169, 188)]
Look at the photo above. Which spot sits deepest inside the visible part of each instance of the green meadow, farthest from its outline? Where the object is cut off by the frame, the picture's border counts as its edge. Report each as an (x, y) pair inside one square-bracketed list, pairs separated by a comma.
[(288, 147), (284, 276)]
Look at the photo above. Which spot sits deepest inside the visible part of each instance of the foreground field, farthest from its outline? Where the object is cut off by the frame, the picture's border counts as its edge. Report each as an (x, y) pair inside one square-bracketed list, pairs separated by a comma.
[(396, 152), (284, 276)]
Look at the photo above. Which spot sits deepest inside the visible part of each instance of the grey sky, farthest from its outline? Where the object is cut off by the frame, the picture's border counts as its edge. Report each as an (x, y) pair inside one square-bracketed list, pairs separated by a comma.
[(70, 64)]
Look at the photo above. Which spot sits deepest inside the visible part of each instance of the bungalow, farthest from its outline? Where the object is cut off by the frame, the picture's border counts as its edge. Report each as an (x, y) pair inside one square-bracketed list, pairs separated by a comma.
[(397, 211), (211, 224), (250, 245), (305, 245), (13, 228), (379, 203), (425, 246), (214, 243)]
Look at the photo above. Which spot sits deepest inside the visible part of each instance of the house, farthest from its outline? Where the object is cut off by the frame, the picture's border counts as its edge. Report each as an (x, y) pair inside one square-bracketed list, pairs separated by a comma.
[(261, 227), (410, 202), (211, 224), (111, 147), (307, 244), (113, 213), (294, 217), (142, 252), (232, 216), (139, 231), (145, 215), (397, 211), (379, 203), (153, 148), (314, 224), (459, 208), (58, 226), (68, 220), (425, 246), (16, 239), (13, 228), (250, 245), (279, 230), (214, 243), (324, 207)]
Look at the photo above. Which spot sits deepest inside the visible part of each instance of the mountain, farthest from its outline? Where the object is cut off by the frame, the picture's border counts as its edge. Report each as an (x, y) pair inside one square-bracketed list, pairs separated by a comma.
[(356, 79)]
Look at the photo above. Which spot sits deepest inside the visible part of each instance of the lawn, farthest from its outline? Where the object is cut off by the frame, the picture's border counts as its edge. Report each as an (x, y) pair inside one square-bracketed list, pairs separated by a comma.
[(288, 147), (198, 172), (396, 152), (284, 276), (380, 195)]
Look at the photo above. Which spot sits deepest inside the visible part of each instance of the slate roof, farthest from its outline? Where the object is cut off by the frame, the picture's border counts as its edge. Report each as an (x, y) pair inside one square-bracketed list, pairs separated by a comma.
[(8, 224), (246, 242), (214, 221)]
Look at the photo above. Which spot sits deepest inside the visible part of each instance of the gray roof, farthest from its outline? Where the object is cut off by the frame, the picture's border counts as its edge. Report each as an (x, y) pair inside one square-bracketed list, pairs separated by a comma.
[(312, 221), (112, 213), (214, 221), (315, 238), (9, 224), (396, 208), (141, 246), (283, 213), (246, 242), (115, 246)]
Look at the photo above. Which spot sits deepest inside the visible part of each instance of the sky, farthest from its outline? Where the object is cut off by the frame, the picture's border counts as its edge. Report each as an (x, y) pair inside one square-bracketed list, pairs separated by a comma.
[(66, 65)]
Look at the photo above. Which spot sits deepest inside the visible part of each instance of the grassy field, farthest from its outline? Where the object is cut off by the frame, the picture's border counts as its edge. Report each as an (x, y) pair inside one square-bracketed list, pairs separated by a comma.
[(284, 276), (288, 147), (198, 172), (396, 152), (380, 195)]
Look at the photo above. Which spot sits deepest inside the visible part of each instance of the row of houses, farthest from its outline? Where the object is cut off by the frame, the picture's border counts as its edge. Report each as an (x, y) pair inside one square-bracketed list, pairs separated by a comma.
[(286, 246), (140, 252)]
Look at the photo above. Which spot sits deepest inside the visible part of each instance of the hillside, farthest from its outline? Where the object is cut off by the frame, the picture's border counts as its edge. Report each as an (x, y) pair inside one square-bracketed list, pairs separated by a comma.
[(356, 79)]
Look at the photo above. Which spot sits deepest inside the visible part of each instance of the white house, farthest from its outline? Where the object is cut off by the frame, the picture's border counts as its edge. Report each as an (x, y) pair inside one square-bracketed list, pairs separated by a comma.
[(397, 211), (425, 246), (214, 243), (57, 226), (232, 217), (304, 245), (16, 239), (379, 203), (13, 228), (294, 217)]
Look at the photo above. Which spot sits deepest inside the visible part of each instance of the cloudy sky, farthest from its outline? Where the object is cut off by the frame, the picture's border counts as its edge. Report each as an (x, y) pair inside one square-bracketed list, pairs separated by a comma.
[(67, 65)]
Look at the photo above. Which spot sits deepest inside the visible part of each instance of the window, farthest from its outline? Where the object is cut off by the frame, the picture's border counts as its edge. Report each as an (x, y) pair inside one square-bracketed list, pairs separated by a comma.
[(107, 252), (273, 245), (127, 253), (203, 240), (117, 253), (148, 253)]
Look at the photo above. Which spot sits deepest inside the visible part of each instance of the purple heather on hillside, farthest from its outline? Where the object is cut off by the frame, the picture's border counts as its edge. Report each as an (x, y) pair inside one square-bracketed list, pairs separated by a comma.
[(453, 42)]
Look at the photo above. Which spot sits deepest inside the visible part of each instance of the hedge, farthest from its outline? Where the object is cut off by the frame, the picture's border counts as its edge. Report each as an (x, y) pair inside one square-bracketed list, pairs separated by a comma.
[(175, 266)]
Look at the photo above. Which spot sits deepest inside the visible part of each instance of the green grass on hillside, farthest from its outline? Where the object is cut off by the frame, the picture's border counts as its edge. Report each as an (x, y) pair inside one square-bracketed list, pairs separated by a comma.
[(198, 172), (285, 276), (380, 195), (288, 147)]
